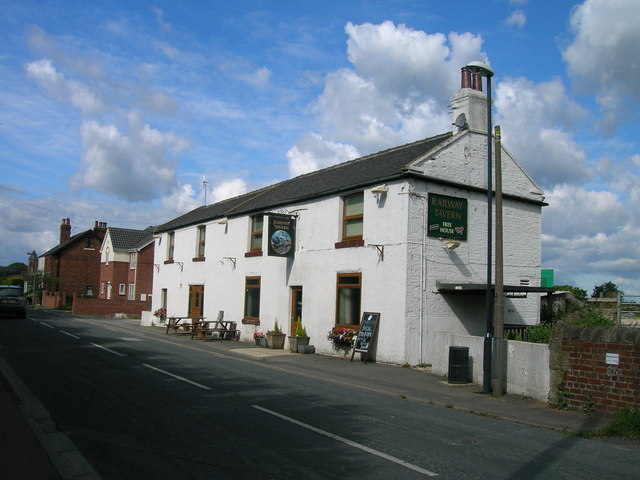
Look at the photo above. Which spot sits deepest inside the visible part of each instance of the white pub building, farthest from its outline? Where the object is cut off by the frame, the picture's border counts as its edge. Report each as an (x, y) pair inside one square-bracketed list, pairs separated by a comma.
[(402, 232)]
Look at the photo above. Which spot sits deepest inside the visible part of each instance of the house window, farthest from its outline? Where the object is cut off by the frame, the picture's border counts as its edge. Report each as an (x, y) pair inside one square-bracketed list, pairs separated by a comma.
[(122, 289), (352, 216), (102, 288), (89, 291), (107, 254), (349, 289), (132, 291), (163, 298), (252, 298), (133, 260), (202, 234), (88, 243), (171, 245), (256, 232)]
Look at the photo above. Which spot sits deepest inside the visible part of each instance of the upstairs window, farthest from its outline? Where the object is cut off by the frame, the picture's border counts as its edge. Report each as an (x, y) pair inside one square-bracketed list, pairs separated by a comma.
[(201, 240), (171, 245), (133, 260), (352, 216), (256, 233), (88, 243)]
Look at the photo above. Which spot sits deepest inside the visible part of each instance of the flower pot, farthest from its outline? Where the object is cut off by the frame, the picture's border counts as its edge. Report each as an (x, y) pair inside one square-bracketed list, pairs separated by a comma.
[(261, 342), (294, 342), (275, 340)]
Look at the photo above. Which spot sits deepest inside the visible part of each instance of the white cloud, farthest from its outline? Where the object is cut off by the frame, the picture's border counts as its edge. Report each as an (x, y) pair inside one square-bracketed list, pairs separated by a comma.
[(137, 167), (397, 92), (536, 121), (601, 57), (517, 19), (181, 201), (260, 78), (313, 153), (229, 189), (71, 91)]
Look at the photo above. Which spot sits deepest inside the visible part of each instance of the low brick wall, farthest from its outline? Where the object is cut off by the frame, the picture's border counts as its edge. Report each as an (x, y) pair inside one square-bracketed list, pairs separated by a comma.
[(98, 306), (593, 368)]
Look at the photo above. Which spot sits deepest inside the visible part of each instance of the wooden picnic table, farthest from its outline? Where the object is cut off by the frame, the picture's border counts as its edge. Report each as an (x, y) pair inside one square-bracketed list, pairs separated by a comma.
[(177, 323), (215, 329)]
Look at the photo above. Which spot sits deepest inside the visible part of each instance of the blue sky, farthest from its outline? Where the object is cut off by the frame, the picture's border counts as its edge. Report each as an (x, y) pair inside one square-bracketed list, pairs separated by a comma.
[(114, 111)]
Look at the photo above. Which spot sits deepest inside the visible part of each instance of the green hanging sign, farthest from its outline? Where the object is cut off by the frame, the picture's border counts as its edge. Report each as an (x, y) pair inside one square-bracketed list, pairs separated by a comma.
[(447, 217)]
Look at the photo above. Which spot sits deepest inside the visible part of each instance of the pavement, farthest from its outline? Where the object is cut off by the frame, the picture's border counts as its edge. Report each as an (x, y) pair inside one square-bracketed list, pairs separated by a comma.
[(36, 450)]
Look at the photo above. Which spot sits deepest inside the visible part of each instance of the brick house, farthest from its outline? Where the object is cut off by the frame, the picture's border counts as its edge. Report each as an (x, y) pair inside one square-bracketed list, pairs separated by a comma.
[(126, 264), (73, 266)]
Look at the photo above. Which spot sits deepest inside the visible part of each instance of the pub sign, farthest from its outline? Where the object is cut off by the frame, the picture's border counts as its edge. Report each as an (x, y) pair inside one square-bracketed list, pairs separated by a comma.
[(447, 217), (282, 235)]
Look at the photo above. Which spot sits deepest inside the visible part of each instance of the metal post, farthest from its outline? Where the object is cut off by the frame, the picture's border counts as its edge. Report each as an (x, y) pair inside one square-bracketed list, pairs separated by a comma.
[(498, 324)]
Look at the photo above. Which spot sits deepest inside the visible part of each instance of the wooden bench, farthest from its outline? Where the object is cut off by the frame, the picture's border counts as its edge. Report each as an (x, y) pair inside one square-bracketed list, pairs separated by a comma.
[(216, 330), (180, 326)]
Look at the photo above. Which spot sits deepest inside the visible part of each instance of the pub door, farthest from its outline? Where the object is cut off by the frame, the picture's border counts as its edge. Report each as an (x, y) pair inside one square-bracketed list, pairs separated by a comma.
[(196, 300), (296, 308)]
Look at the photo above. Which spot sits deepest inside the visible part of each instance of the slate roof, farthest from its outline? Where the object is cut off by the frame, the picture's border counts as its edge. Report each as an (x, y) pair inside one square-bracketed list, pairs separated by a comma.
[(371, 169), (124, 239), (78, 236)]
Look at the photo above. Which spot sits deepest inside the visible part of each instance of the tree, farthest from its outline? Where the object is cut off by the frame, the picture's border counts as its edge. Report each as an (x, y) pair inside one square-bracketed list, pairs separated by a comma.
[(579, 293), (607, 290)]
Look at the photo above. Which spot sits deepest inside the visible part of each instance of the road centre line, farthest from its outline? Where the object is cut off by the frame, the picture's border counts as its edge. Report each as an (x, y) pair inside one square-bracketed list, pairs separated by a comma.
[(348, 442), (204, 387), (70, 334), (47, 325), (109, 350)]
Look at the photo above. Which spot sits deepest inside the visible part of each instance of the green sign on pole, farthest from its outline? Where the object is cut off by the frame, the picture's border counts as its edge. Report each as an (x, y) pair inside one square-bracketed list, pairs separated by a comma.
[(447, 217)]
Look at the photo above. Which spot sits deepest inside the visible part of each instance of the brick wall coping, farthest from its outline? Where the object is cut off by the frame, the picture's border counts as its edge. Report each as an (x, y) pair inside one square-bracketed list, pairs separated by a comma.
[(574, 333)]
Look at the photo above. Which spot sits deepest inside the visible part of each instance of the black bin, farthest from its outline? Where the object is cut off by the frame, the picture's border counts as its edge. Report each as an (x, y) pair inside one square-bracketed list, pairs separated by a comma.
[(458, 365)]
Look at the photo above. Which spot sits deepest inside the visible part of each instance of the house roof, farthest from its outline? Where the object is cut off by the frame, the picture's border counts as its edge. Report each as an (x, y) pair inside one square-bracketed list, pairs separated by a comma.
[(125, 239), (368, 170), (63, 246)]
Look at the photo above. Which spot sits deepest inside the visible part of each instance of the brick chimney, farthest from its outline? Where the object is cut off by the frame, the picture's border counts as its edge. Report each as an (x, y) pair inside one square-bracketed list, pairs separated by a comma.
[(471, 101), (100, 229), (65, 230)]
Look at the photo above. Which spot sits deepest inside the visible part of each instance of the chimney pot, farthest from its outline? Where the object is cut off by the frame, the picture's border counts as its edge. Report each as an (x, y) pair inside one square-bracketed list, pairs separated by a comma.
[(477, 82), (465, 80)]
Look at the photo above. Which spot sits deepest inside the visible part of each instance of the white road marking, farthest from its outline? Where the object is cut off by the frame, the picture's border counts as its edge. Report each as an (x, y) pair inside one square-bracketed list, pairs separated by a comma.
[(70, 334), (47, 325), (109, 350), (204, 387), (348, 442)]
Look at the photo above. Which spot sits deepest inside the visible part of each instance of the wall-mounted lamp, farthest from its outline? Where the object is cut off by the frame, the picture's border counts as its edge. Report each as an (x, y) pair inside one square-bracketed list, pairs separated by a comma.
[(223, 221), (452, 245), (379, 190)]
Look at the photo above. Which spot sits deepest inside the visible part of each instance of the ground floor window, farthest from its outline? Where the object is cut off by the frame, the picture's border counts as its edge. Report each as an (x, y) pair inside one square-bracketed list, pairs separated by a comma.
[(349, 287), (252, 298), (132, 291), (163, 298)]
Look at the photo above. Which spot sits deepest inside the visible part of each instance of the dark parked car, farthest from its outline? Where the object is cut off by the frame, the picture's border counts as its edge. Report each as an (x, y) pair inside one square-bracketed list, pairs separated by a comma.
[(12, 301)]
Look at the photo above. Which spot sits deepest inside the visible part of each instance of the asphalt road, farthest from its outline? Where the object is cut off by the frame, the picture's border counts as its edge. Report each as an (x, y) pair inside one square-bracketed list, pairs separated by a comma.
[(139, 404)]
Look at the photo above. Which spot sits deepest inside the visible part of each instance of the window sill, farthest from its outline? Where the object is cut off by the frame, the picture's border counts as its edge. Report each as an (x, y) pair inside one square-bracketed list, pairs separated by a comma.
[(250, 321), (350, 243), (197, 259), (168, 262), (253, 253)]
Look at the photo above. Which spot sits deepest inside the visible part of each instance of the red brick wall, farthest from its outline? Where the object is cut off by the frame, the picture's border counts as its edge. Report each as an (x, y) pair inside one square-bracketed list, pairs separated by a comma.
[(76, 267), (98, 306), (144, 271), (584, 378)]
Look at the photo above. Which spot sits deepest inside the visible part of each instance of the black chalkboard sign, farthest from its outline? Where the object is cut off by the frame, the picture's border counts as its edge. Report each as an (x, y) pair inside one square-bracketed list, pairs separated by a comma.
[(366, 334)]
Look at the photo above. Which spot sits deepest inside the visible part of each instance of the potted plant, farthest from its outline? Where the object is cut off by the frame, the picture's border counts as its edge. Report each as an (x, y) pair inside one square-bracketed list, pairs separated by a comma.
[(260, 338), (161, 313), (300, 337), (342, 338), (275, 338)]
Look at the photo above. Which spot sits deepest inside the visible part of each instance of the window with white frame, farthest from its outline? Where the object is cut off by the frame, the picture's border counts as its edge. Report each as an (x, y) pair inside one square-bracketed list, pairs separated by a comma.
[(133, 260), (171, 245), (122, 289), (132, 291)]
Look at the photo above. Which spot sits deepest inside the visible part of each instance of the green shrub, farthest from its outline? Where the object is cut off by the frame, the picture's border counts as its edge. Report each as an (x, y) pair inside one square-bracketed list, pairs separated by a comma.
[(539, 333), (626, 423)]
